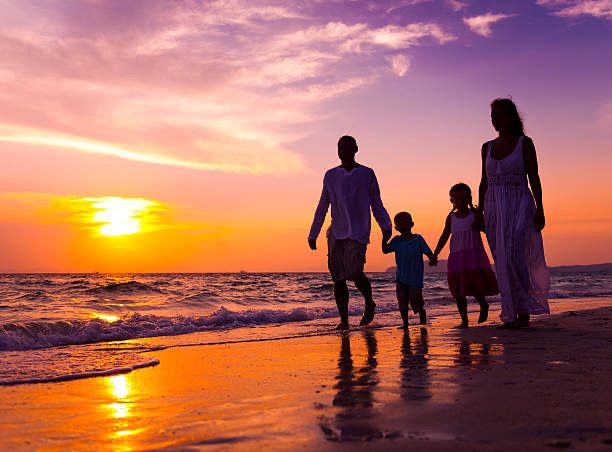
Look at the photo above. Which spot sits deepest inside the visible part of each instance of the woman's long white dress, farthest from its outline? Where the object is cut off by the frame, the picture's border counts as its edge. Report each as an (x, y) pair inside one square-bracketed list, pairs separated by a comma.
[(517, 248)]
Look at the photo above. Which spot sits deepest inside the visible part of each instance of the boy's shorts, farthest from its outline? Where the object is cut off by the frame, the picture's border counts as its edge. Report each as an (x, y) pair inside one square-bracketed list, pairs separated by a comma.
[(411, 294), (345, 258)]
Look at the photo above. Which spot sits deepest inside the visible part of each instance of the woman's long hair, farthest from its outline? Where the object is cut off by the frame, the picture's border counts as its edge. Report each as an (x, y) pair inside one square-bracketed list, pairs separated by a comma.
[(510, 107)]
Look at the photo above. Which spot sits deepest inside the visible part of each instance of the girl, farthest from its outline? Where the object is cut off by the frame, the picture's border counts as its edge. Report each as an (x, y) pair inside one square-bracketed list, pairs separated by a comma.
[(514, 217), (469, 269)]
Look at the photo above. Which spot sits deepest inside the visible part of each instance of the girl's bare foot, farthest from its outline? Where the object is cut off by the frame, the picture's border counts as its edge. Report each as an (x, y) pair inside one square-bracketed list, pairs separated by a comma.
[(484, 313), (462, 326)]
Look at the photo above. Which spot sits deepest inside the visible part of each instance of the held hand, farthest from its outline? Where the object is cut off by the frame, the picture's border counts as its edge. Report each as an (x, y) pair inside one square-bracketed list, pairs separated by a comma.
[(433, 261), (478, 224), (539, 220), (312, 243), (386, 236)]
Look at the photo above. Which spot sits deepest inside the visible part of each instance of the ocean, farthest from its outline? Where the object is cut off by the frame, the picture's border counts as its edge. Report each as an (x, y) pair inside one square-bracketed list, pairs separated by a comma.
[(55, 327)]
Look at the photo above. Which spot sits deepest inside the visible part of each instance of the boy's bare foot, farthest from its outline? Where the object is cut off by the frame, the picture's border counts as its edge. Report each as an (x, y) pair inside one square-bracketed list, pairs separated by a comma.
[(368, 314), (507, 326), (423, 317), (484, 313), (342, 326)]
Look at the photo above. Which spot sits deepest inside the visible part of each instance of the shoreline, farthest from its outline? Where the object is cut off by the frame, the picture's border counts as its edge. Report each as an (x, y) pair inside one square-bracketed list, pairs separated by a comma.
[(437, 388)]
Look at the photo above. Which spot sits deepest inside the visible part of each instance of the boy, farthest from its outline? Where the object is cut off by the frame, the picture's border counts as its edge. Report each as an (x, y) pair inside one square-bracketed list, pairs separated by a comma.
[(409, 249)]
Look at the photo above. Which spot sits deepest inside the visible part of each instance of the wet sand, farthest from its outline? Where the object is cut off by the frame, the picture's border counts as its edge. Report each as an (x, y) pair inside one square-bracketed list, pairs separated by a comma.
[(435, 389)]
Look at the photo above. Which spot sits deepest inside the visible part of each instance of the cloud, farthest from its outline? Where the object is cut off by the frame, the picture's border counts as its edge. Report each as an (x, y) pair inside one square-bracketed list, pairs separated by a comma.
[(456, 5), (225, 85), (399, 65), (574, 8), (481, 25)]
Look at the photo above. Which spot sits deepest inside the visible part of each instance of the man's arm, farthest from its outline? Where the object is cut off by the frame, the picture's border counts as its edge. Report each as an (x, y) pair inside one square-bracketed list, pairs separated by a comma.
[(319, 218), (378, 209), (387, 247)]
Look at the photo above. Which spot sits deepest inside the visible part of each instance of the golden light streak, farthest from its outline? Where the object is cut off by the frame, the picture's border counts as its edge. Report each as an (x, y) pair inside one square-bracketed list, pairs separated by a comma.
[(106, 317)]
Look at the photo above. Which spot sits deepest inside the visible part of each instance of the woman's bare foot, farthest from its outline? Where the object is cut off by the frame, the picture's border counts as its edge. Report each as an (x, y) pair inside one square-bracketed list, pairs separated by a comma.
[(484, 313), (522, 321), (507, 325)]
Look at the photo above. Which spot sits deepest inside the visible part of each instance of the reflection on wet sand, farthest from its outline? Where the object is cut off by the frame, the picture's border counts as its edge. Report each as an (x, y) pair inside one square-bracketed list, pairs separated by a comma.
[(355, 385), (473, 354), (415, 382), (119, 389)]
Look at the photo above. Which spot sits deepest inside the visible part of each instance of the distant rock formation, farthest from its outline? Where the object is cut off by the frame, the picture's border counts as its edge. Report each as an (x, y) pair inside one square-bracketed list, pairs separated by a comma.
[(441, 268)]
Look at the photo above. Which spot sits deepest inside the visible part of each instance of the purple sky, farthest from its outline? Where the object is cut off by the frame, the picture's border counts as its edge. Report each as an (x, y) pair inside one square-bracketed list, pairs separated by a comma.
[(227, 112)]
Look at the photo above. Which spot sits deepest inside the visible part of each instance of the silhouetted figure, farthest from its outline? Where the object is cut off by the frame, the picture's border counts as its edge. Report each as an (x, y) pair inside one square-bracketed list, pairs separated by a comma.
[(513, 216), (409, 249), (469, 269), (354, 395), (415, 384), (352, 190)]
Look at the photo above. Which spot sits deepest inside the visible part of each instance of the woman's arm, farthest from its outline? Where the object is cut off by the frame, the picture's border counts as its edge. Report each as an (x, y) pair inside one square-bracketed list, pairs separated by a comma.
[(531, 166), (444, 237)]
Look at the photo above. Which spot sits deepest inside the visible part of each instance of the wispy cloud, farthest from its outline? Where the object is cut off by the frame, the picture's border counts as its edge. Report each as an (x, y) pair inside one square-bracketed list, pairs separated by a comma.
[(481, 25), (456, 5), (574, 8), (225, 85), (399, 64)]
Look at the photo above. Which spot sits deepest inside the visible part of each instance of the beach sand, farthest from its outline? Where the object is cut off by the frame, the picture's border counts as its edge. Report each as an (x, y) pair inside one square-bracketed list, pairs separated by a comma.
[(434, 389)]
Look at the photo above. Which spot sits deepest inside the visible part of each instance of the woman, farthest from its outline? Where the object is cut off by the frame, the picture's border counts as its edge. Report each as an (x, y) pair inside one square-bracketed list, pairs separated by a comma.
[(514, 217)]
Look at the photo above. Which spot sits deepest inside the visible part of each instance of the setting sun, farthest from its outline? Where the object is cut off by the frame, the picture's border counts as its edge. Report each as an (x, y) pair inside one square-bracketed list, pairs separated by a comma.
[(120, 216)]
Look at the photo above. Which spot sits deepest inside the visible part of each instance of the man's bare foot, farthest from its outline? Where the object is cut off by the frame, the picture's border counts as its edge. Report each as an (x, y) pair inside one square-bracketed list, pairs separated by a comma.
[(484, 313), (423, 317), (368, 314), (342, 326)]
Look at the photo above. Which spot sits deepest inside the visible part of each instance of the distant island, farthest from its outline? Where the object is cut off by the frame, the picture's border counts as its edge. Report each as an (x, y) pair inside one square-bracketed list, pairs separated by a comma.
[(441, 268), (607, 267), (591, 268)]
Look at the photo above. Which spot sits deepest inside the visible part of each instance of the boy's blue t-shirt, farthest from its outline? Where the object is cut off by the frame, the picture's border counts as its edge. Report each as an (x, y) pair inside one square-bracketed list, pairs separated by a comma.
[(409, 259)]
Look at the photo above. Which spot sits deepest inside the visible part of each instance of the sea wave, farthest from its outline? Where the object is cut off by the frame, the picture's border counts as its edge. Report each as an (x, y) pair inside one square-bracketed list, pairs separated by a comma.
[(123, 287), (46, 334)]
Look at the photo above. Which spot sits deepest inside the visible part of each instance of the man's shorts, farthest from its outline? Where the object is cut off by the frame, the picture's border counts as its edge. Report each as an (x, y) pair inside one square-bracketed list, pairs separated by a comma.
[(345, 258)]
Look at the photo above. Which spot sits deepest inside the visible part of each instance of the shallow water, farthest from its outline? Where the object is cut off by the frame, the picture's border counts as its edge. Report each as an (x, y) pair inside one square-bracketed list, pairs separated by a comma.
[(64, 326)]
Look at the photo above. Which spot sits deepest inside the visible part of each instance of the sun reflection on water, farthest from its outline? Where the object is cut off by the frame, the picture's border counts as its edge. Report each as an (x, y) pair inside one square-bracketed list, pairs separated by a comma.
[(120, 387)]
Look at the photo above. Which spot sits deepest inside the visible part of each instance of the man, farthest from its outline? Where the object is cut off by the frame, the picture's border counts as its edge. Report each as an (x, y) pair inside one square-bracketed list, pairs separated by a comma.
[(351, 189)]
